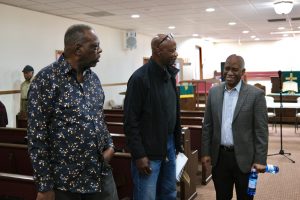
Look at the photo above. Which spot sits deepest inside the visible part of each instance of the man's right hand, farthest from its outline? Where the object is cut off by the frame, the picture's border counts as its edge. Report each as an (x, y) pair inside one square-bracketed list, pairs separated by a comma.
[(49, 195), (206, 161), (143, 165)]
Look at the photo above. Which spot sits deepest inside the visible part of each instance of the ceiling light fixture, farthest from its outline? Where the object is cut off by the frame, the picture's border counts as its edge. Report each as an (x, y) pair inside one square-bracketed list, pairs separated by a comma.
[(283, 7), (209, 9), (281, 28), (135, 16), (195, 35), (245, 32), (171, 27), (231, 23)]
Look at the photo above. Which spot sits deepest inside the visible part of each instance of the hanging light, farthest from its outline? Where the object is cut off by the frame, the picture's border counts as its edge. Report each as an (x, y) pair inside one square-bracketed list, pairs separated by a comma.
[(283, 7)]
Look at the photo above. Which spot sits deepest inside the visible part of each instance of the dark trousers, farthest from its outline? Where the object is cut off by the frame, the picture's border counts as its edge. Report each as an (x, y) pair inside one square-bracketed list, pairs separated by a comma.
[(109, 192), (227, 174)]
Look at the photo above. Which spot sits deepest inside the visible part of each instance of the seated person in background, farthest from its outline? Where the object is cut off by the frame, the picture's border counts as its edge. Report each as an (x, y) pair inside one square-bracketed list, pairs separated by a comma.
[(3, 115), (28, 75)]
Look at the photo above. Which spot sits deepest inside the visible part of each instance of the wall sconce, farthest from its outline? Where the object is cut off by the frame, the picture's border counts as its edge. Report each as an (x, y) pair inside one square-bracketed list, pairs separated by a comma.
[(283, 7)]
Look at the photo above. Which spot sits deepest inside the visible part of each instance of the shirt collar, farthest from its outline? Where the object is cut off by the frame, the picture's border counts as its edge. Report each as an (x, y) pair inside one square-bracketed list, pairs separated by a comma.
[(66, 68), (166, 72), (237, 87)]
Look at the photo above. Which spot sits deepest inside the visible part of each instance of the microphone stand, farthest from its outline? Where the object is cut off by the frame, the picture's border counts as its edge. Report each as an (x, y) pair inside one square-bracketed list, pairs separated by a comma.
[(281, 151)]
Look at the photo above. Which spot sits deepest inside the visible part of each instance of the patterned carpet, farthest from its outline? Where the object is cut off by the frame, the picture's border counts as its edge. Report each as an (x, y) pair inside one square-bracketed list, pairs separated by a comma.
[(282, 186)]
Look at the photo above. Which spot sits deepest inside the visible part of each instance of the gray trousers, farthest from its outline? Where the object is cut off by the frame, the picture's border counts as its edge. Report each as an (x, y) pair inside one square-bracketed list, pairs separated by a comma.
[(109, 192)]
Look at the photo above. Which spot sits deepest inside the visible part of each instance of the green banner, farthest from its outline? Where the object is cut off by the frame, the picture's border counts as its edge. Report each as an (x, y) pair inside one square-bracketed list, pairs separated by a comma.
[(186, 91)]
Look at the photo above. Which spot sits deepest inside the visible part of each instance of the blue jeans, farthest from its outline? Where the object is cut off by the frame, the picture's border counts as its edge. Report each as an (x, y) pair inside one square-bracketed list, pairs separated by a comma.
[(161, 183)]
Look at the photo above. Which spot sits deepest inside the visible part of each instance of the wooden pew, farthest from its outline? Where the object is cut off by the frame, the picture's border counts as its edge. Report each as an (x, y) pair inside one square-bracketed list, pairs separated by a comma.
[(17, 186), (196, 140), (191, 113), (121, 166), (113, 111), (188, 189), (115, 127), (113, 117), (191, 121), (184, 120), (15, 159), (13, 135), (119, 142), (184, 113)]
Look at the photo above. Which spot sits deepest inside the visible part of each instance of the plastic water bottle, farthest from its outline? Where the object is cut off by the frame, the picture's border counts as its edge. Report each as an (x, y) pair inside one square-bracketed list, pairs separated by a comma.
[(252, 182), (272, 169)]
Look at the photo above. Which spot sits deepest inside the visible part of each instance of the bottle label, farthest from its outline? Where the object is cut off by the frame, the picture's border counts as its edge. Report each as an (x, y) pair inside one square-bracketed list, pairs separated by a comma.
[(270, 168), (252, 183)]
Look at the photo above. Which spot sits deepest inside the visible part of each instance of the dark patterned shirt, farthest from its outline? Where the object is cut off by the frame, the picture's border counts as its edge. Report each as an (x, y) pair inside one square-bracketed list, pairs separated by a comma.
[(66, 129)]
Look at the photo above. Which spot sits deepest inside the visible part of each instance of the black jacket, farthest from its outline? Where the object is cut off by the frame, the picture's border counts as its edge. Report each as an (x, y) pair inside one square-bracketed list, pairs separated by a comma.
[(145, 115)]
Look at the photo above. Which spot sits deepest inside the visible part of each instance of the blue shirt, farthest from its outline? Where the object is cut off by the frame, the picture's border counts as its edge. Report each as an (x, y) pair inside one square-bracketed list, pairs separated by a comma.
[(229, 103), (66, 129)]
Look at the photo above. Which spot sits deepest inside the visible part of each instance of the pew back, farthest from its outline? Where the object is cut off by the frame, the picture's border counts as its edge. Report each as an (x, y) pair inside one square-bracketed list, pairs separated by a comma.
[(17, 186), (13, 135)]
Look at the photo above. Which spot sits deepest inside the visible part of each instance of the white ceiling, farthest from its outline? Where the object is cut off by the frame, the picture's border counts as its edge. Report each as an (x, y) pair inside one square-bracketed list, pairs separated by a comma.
[(188, 16)]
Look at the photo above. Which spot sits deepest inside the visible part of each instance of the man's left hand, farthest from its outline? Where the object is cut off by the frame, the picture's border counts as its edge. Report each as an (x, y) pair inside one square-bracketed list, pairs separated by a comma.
[(108, 154)]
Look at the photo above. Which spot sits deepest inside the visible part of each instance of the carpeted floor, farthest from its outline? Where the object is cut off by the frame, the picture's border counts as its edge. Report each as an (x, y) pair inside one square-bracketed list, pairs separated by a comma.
[(282, 186)]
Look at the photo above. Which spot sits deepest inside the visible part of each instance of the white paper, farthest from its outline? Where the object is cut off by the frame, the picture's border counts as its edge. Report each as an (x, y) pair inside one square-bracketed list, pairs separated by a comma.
[(181, 161)]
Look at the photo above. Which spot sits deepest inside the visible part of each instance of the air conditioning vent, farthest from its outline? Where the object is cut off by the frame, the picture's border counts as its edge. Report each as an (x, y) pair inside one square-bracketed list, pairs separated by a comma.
[(100, 14), (277, 20), (295, 18)]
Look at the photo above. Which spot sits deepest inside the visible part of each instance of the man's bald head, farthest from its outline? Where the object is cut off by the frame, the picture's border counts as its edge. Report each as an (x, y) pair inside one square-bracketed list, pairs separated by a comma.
[(164, 49), (156, 40)]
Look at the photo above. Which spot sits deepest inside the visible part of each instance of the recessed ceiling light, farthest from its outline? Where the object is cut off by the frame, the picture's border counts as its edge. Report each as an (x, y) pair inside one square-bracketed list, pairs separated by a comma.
[(256, 39), (245, 32), (253, 36), (209, 9), (195, 35), (299, 27), (171, 27), (281, 28), (231, 23), (135, 16), (285, 35)]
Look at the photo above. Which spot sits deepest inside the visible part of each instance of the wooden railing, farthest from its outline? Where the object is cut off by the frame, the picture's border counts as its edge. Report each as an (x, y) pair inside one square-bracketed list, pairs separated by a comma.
[(10, 92), (18, 91)]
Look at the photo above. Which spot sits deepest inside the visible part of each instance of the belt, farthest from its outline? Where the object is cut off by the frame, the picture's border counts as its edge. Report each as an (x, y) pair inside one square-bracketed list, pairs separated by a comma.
[(227, 148)]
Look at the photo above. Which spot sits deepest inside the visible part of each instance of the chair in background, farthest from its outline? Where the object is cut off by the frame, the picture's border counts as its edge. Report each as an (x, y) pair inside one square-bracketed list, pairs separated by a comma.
[(271, 111), (260, 86), (297, 117)]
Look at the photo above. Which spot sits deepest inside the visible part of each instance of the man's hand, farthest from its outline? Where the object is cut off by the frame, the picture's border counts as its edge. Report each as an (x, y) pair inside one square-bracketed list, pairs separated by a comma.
[(108, 154), (143, 166), (49, 195), (259, 168), (206, 161)]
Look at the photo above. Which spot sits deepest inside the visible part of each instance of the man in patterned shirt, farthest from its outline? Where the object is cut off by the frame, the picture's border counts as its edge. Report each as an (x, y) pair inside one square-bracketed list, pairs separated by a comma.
[(68, 141)]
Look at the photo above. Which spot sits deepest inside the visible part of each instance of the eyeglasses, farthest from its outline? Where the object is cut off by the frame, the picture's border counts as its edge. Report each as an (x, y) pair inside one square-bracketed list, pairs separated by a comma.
[(169, 36)]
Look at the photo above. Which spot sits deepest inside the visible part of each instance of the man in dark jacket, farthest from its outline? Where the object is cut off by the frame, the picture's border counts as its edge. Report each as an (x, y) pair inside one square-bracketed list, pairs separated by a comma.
[(152, 122)]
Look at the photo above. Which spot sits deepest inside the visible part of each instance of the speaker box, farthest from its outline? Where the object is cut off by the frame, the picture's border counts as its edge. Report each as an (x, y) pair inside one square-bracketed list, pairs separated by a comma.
[(130, 40)]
